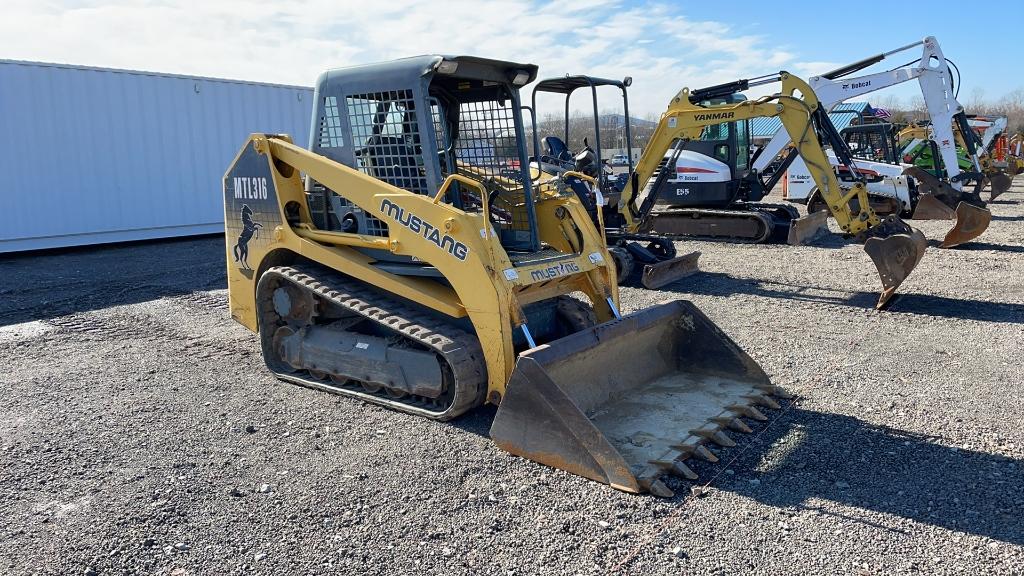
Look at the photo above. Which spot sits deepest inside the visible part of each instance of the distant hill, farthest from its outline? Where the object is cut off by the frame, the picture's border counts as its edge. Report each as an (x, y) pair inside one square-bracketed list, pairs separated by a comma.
[(616, 120)]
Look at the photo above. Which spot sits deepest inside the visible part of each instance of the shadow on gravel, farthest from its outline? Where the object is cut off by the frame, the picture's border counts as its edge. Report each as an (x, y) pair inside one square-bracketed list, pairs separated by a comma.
[(478, 421), (1008, 218), (47, 284), (980, 246), (846, 460), (718, 284)]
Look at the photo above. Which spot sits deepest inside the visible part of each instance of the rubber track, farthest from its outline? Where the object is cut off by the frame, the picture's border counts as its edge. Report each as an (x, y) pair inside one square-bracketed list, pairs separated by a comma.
[(459, 349), (733, 214)]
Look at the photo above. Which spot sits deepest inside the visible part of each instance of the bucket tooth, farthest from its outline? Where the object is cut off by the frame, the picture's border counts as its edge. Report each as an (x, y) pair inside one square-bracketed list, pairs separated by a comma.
[(703, 452), (733, 424), (763, 400), (774, 391), (683, 471), (675, 467), (714, 435), (722, 439), (656, 487), (748, 411)]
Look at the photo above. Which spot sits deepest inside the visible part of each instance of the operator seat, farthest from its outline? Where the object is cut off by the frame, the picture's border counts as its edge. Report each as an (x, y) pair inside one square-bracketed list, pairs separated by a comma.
[(391, 159), (556, 151)]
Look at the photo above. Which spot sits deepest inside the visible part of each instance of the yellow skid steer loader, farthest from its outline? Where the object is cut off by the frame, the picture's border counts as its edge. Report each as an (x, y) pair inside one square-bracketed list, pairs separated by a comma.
[(408, 259)]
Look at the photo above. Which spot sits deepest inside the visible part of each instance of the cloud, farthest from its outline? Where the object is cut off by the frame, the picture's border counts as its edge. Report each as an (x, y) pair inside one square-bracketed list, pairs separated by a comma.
[(655, 43)]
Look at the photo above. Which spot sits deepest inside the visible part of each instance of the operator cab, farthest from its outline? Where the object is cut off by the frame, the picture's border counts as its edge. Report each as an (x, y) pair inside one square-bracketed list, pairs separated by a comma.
[(872, 141), (413, 122), (709, 171)]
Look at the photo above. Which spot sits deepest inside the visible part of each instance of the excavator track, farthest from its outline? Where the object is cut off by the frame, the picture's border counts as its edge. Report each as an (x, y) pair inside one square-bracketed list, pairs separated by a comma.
[(755, 224), (740, 226), (458, 352)]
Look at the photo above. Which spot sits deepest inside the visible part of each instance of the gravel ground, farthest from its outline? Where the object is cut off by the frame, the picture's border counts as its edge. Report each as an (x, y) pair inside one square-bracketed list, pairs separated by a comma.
[(141, 433)]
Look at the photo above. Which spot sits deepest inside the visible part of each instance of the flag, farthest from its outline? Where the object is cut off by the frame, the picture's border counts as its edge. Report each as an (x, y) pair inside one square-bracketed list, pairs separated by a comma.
[(881, 113)]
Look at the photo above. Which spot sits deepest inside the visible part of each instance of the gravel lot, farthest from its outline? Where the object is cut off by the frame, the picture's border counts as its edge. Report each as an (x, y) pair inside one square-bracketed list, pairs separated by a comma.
[(141, 433)]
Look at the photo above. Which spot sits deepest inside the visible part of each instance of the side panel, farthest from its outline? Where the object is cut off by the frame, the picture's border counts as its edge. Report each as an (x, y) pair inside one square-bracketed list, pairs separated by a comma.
[(97, 155), (251, 214)]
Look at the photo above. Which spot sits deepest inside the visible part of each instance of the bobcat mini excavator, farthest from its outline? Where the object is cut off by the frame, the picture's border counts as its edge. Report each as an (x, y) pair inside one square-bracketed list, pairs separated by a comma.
[(923, 194), (894, 247), (410, 260)]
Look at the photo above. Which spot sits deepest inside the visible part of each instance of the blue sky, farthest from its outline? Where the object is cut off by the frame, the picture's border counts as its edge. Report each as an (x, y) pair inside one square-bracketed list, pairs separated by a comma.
[(987, 47), (663, 45)]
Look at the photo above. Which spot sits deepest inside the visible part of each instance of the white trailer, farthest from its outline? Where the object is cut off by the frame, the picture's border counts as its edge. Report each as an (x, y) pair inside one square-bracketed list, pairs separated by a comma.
[(94, 155)]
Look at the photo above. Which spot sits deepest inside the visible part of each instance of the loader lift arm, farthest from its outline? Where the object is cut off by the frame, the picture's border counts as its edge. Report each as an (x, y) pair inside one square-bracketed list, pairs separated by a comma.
[(895, 247)]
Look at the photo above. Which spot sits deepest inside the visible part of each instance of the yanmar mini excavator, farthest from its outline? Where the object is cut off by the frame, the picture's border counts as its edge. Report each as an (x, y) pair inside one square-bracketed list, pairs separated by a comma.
[(647, 260), (733, 211), (646, 205)]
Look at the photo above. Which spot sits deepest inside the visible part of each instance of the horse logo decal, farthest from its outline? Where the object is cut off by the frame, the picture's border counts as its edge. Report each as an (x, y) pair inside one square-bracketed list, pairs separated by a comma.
[(250, 229)]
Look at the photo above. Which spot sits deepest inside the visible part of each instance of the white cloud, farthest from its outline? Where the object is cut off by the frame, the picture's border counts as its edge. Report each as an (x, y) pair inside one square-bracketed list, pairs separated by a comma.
[(656, 44)]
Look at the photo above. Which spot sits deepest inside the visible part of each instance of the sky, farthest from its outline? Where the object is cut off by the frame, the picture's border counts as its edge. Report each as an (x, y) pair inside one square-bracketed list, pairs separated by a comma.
[(663, 45)]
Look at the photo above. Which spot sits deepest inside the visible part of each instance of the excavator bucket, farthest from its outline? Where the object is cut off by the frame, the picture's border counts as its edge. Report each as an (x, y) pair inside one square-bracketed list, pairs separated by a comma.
[(971, 221), (931, 208), (628, 400), (806, 229), (664, 273), (896, 251), (1000, 183)]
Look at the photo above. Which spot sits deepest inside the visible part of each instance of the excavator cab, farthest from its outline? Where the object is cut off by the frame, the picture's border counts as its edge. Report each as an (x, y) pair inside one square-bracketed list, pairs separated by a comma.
[(713, 170), (872, 141)]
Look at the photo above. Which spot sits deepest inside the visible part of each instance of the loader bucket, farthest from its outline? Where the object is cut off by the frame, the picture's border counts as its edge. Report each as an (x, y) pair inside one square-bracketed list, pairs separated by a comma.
[(808, 228), (1000, 183), (896, 251), (971, 221), (931, 208), (663, 273), (628, 400)]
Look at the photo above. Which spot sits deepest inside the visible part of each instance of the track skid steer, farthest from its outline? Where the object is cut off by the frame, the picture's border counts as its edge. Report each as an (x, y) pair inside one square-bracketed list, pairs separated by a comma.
[(629, 400), (433, 278)]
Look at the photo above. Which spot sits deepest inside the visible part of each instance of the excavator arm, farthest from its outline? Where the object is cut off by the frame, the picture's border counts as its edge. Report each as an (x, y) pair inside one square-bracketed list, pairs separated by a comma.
[(894, 246), (835, 87), (978, 148)]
